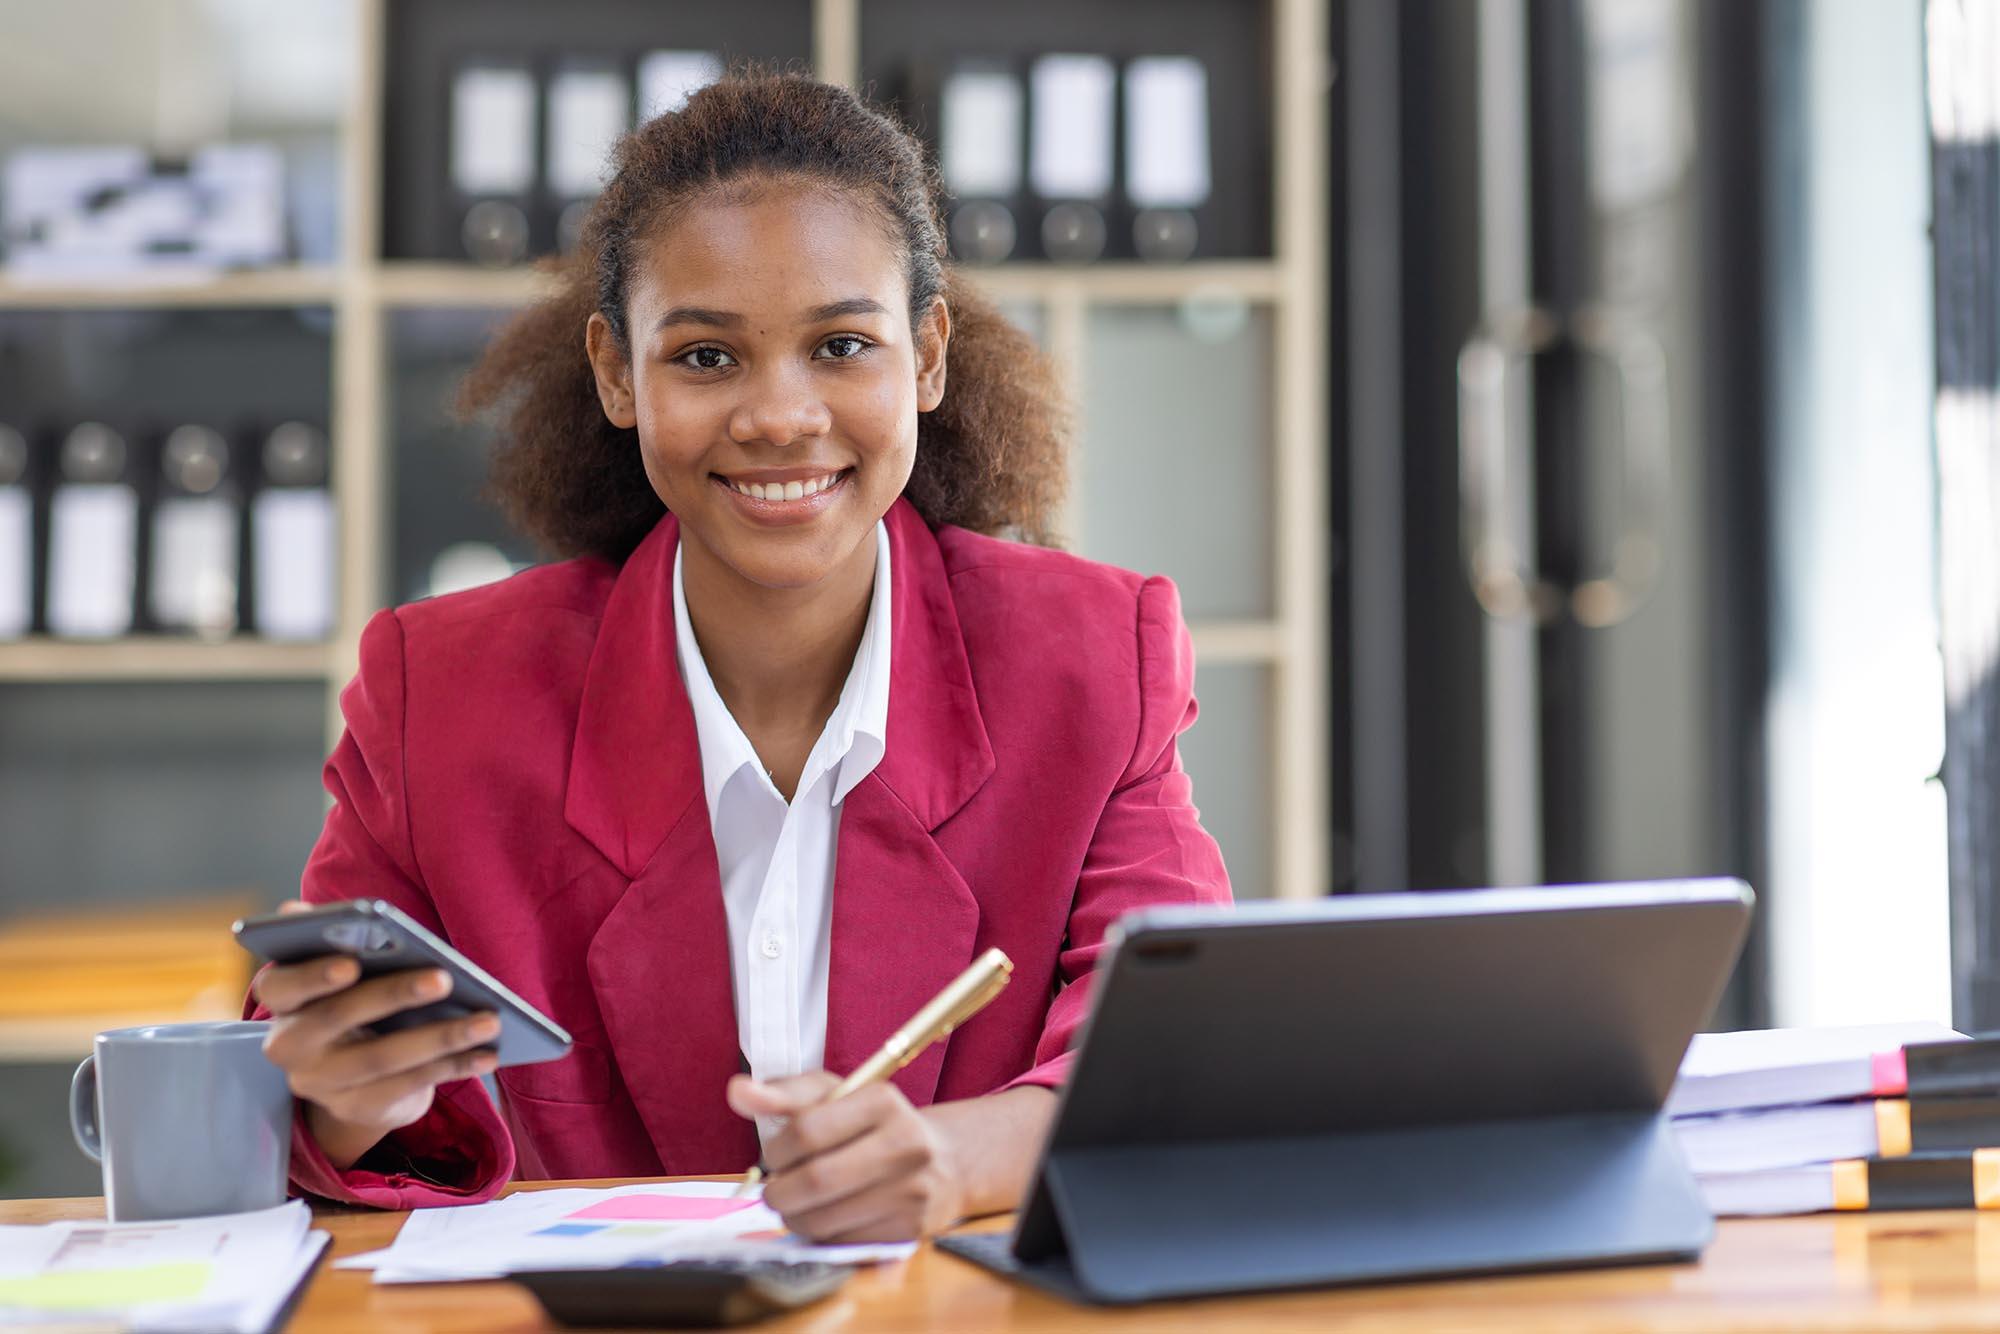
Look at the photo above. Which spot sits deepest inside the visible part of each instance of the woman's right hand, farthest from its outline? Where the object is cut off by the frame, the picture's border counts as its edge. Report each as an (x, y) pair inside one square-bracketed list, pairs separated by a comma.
[(359, 1086)]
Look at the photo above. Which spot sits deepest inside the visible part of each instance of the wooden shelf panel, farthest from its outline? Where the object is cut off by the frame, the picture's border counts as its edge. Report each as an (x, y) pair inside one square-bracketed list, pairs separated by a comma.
[(139, 659), (1238, 641), (412, 285), (68, 1038), (1131, 283), (290, 286)]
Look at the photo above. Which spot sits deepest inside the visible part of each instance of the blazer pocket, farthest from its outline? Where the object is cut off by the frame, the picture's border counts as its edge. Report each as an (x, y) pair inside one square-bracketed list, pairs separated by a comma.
[(583, 1076)]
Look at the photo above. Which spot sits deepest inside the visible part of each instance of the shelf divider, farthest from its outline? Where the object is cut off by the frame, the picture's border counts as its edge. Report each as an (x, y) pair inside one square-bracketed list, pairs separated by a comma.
[(284, 285), (143, 659)]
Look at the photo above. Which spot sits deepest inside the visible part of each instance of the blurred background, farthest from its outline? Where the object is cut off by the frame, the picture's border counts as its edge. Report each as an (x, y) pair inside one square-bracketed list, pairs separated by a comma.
[(1536, 401)]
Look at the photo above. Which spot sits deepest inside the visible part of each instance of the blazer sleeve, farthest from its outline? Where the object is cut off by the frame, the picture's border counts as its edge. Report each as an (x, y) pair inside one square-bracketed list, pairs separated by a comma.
[(1149, 846), (459, 1152)]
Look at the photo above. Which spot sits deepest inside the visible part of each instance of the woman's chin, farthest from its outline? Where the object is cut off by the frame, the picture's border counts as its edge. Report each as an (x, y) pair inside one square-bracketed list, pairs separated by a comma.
[(781, 565)]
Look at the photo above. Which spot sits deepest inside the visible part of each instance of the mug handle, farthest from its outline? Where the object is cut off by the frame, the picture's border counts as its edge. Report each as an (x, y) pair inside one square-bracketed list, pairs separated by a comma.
[(83, 1108)]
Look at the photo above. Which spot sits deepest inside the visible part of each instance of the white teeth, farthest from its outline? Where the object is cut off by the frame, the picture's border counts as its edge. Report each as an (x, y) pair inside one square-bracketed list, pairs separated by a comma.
[(787, 490)]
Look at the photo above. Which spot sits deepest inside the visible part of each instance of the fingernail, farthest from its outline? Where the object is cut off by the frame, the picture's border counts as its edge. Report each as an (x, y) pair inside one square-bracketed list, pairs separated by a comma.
[(486, 1063), (341, 970), (483, 1028)]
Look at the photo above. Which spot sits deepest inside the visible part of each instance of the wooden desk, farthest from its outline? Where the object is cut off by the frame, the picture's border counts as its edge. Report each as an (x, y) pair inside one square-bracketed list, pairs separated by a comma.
[(1911, 1271)]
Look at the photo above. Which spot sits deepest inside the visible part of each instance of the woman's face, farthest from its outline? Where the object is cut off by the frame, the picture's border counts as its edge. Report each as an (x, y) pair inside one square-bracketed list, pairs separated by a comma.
[(774, 376)]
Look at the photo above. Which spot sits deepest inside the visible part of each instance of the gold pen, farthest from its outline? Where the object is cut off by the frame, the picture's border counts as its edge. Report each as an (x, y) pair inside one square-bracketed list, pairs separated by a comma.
[(963, 997)]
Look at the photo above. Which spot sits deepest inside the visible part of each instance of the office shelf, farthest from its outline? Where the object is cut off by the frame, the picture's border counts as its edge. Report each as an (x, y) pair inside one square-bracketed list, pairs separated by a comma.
[(1281, 628), (65, 978), (288, 286), (146, 659)]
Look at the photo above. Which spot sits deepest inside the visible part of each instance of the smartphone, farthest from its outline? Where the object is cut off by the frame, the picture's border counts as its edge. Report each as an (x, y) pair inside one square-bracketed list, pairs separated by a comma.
[(383, 939)]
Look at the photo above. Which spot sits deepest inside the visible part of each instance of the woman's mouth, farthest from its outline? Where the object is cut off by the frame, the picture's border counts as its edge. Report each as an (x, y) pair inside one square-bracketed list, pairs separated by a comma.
[(792, 490), (784, 500)]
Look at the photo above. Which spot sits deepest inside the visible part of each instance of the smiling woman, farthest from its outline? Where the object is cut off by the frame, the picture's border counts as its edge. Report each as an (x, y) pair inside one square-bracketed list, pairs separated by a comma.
[(791, 738)]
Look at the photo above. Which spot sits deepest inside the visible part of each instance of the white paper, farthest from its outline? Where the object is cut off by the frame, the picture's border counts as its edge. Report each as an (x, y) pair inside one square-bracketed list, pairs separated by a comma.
[(588, 110), (17, 560), (195, 560), (1777, 1048), (93, 544), (979, 148), (247, 1266), (1072, 106), (292, 543), (1166, 132), (486, 1240), (492, 131), (666, 78)]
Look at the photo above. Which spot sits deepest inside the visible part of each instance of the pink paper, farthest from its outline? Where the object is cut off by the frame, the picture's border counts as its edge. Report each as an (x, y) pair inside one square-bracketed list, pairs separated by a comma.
[(680, 1208)]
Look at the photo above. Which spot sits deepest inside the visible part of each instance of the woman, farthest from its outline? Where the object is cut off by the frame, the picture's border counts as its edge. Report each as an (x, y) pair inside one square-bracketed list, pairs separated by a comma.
[(784, 744)]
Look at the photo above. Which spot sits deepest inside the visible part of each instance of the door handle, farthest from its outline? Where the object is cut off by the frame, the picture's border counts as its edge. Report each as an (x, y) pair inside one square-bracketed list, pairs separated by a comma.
[(1504, 578)]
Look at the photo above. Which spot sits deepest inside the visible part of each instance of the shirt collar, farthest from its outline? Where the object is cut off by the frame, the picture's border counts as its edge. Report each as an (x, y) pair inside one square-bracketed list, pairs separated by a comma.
[(855, 737)]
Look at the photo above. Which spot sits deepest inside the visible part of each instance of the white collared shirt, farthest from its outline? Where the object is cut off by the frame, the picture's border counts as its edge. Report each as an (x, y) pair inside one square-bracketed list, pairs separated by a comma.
[(777, 858)]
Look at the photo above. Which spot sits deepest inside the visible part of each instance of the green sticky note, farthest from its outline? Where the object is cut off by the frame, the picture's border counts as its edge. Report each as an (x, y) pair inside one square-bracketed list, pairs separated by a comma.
[(96, 1289)]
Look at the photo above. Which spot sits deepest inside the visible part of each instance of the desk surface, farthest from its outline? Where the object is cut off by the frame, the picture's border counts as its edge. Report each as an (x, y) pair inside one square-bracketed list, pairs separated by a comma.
[(1932, 1271)]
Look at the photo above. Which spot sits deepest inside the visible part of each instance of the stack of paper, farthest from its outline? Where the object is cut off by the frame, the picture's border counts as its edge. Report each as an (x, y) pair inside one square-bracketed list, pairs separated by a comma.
[(581, 1228), (233, 1272), (1897, 1116)]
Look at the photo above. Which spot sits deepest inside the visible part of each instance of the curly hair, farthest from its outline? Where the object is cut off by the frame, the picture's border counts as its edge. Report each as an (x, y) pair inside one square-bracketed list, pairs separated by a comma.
[(991, 457)]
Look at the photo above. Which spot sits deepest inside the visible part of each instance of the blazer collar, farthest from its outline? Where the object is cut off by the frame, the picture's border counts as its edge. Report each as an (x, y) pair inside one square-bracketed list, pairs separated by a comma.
[(636, 761)]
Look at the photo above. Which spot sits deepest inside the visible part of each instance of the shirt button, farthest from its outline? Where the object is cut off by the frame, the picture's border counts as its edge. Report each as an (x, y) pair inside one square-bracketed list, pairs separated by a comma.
[(773, 947)]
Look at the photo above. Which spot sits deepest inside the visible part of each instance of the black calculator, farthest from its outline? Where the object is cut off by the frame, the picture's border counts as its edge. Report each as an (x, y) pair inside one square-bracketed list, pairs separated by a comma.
[(681, 1294)]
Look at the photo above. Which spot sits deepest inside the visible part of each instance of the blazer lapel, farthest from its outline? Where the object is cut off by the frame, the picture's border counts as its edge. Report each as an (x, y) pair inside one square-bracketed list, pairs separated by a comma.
[(904, 920), (659, 966), (659, 963), (636, 761)]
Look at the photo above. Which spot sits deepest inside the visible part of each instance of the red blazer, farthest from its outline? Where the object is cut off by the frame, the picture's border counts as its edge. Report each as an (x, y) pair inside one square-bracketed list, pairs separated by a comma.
[(520, 773)]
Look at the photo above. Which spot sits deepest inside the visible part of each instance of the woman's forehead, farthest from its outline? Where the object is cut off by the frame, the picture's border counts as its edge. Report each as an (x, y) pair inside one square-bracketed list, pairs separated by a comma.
[(784, 246)]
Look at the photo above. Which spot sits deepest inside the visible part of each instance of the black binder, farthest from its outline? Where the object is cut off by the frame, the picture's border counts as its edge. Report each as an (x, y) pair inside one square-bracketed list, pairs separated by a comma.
[(1374, 1088)]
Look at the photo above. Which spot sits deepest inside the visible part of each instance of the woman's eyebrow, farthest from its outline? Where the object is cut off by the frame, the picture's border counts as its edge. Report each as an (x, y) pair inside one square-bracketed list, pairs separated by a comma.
[(720, 319), (726, 319), (854, 305)]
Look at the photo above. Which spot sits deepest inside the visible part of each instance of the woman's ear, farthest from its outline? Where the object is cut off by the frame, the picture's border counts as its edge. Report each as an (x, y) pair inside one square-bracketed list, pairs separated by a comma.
[(613, 370), (933, 339)]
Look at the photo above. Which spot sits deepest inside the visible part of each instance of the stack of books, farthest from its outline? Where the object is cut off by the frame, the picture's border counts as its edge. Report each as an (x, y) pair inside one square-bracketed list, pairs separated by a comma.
[(1786, 1121)]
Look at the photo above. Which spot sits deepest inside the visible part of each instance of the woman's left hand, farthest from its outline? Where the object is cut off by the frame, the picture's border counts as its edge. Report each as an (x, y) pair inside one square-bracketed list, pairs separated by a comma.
[(866, 1167)]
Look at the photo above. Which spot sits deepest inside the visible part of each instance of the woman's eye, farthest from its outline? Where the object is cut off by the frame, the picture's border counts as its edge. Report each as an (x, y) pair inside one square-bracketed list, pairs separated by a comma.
[(843, 347), (705, 358)]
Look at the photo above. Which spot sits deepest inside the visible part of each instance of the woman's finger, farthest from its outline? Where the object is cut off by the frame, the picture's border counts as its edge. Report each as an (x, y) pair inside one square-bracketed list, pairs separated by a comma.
[(364, 1062), (778, 1097), (826, 1126), (326, 1023), (883, 1154), (285, 987), (889, 1211)]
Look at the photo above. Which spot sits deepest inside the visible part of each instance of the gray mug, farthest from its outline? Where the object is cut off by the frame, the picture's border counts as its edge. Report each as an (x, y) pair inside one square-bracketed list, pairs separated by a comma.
[(188, 1120)]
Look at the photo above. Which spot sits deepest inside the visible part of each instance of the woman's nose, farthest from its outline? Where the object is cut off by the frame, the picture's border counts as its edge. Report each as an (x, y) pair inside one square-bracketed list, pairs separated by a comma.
[(779, 407)]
